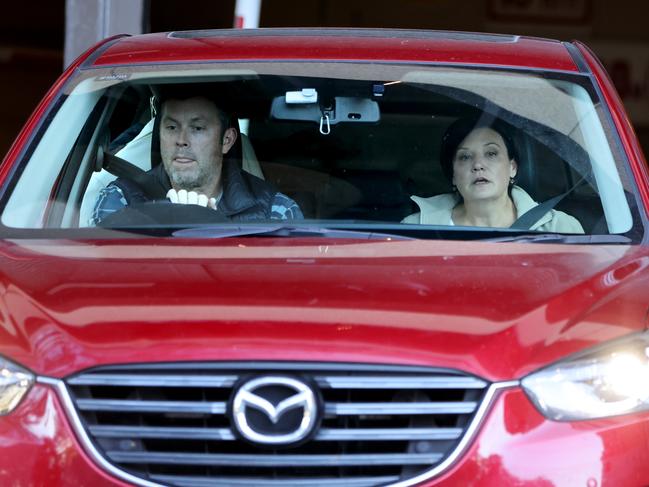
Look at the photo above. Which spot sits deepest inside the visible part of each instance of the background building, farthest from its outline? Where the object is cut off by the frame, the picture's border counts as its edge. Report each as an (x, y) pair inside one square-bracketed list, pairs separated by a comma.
[(38, 38)]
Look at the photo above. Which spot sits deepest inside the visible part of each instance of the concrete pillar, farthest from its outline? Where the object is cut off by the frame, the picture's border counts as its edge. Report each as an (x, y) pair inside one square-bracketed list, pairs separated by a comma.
[(89, 21)]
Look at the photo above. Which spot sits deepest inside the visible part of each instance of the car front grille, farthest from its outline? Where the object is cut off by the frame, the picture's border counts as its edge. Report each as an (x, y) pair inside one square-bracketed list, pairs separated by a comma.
[(169, 423)]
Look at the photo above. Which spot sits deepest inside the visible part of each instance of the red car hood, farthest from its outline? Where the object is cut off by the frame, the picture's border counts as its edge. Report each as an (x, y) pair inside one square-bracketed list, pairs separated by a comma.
[(498, 310)]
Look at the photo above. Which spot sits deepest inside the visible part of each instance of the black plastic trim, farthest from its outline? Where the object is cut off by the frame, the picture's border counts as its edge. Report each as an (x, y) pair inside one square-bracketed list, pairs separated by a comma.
[(577, 57), (346, 32)]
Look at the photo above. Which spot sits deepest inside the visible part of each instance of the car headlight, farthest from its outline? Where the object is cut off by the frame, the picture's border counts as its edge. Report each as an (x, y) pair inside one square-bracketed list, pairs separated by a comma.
[(15, 381), (610, 381)]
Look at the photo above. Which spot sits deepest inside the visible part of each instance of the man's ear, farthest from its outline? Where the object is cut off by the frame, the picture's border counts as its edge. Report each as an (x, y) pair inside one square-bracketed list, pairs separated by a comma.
[(229, 138)]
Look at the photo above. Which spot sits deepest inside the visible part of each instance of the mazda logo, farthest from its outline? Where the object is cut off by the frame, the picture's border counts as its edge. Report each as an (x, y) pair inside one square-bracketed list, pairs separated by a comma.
[(274, 410)]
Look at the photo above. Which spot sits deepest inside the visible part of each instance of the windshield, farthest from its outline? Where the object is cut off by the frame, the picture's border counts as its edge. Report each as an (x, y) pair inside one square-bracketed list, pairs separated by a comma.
[(398, 149)]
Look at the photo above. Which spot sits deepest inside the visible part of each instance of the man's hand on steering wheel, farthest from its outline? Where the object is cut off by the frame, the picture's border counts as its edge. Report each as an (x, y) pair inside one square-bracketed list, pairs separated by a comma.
[(185, 197)]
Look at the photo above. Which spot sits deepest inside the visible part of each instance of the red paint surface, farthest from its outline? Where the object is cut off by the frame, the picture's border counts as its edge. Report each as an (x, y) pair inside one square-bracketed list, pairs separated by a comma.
[(39, 448), (499, 51), (71, 305), (518, 447)]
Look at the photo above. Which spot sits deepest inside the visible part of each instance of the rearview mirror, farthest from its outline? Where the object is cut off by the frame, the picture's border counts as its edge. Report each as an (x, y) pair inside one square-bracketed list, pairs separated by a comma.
[(340, 109)]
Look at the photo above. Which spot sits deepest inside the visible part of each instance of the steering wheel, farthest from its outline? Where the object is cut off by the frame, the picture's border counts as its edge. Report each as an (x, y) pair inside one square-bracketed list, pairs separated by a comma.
[(162, 213)]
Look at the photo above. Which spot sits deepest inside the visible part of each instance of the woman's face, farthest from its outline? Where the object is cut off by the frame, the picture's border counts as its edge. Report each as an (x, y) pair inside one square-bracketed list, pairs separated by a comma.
[(482, 167)]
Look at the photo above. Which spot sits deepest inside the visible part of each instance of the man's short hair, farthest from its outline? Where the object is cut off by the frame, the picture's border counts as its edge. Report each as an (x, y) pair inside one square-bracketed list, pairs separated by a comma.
[(185, 92)]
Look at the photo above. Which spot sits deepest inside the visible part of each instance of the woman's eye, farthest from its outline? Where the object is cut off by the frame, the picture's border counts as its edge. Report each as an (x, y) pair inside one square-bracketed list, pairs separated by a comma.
[(463, 157), (170, 127), (198, 128), (492, 154)]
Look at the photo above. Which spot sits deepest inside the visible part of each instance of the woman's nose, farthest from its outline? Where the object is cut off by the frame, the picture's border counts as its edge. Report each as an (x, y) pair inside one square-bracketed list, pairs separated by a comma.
[(477, 164)]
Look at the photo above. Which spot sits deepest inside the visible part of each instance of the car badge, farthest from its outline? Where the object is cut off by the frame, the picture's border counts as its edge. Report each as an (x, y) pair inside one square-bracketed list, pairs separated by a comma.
[(275, 410)]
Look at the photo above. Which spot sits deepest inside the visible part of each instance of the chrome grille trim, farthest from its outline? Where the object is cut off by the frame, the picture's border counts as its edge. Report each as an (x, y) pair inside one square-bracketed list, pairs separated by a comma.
[(325, 434), (326, 381), (383, 434), (222, 434), (151, 406), (154, 380), (401, 382), (234, 481), (399, 408), (483, 406), (220, 407), (262, 460)]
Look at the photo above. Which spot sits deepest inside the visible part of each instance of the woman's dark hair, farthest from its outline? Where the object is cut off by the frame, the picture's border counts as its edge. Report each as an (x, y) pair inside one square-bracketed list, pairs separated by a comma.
[(462, 127)]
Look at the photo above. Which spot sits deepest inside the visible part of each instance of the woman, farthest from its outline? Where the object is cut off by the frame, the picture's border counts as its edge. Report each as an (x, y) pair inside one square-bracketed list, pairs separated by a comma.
[(480, 160)]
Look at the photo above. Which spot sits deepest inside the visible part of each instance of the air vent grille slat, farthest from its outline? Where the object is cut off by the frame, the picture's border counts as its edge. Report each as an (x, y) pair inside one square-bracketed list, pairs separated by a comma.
[(172, 424)]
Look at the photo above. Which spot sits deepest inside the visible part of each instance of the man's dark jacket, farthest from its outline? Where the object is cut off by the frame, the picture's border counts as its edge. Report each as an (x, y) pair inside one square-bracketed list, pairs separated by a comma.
[(245, 197)]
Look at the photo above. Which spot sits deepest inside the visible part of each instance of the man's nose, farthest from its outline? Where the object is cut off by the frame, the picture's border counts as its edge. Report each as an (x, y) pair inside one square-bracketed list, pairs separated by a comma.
[(181, 138)]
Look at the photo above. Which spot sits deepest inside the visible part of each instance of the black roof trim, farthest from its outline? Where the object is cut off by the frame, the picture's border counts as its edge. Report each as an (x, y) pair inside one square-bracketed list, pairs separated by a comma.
[(346, 32), (577, 57), (90, 60)]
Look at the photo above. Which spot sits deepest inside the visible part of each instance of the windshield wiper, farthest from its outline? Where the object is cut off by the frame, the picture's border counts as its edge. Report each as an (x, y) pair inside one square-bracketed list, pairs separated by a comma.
[(562, 238), (281, 230), (284, 230)]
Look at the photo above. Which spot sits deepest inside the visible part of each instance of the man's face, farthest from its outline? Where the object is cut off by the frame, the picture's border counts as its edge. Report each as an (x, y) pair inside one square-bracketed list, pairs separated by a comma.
[(192, 144)]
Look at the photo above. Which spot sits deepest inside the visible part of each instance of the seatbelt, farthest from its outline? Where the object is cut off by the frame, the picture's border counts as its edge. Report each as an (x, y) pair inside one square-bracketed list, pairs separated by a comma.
[(125, 170), (533, 215), (119, 167)]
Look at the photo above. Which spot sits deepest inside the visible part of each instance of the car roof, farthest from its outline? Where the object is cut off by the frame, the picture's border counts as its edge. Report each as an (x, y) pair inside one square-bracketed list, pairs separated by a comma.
[(322, 44)]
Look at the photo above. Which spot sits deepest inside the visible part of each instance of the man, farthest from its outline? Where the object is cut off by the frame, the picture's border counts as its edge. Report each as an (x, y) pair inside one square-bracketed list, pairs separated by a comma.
[(194, 138)]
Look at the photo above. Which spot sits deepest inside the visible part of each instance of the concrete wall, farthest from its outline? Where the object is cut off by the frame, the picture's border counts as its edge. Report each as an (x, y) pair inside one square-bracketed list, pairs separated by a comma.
[(89, 21)]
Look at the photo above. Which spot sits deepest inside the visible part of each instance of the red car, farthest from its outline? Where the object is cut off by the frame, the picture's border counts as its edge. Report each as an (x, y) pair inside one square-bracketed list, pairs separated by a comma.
[(439, 275)]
